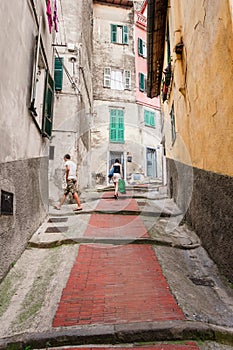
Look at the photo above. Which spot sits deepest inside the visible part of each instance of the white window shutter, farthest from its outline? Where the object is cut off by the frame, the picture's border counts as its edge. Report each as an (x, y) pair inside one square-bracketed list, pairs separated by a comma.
[(107, 77), (127, 79)]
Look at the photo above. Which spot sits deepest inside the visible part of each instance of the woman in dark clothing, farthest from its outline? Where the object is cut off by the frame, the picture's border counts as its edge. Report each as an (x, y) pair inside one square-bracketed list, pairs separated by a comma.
[(117, 174)]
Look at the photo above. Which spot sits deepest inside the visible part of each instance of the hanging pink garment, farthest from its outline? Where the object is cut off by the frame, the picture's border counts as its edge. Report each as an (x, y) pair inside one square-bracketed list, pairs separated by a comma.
[(55, 18), (49, 14)]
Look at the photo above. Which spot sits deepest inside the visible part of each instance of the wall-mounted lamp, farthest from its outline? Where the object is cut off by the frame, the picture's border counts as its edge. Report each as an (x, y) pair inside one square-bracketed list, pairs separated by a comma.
[(129, 157), (72, 59)]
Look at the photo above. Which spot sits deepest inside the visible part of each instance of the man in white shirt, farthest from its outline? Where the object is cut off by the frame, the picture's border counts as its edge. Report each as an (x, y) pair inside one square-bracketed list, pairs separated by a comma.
[(71, 181)]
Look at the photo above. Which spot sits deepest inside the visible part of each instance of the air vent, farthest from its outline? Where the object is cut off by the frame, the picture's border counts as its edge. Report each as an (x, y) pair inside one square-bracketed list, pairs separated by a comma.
[(7, 200)]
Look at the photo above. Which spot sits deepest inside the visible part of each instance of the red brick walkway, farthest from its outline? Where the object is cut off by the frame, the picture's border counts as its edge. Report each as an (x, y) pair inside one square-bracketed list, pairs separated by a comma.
[(113, 225), (116, 284)]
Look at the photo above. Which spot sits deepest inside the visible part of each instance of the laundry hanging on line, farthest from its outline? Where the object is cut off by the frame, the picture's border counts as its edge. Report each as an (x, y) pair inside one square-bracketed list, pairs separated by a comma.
[(54, 18)]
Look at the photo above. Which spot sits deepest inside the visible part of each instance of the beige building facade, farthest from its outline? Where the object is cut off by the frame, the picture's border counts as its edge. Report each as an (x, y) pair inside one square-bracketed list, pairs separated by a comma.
[(73, 96), (26, 100), (195, 69), (118, 129)]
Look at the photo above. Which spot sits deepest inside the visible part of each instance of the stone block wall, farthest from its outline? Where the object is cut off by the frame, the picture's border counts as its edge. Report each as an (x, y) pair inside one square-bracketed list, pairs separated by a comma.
[(28, 181), (207, 205)]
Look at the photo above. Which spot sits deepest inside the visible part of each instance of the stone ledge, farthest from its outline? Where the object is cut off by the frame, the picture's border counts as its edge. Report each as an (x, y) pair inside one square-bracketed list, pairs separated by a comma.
[(121, 333)]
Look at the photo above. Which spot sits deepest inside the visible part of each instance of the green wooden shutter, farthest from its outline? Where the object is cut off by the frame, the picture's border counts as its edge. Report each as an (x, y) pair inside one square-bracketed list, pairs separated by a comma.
[(120, 126), (58, 73), (140, 47), (146, 117), (152, 119), (47, 120), (116, 133), (125, 35), (113, 33), (113, 125), (141, 82), (149, 118)]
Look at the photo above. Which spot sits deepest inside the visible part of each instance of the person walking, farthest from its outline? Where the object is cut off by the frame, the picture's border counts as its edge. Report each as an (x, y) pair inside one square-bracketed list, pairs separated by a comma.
[(71, 182), (117, 174)]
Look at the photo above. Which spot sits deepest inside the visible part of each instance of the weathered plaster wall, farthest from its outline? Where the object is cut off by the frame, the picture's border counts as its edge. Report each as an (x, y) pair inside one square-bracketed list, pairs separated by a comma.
[(141, 67), (107, 54), (200, 166), (204, 110), (23, 151), (19, 136), (73, 105), (136, 136)]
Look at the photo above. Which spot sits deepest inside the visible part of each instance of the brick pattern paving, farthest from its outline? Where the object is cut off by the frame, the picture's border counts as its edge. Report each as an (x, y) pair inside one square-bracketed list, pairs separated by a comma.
[(185, 346), (125, 202), (116, 284), (113, 225)]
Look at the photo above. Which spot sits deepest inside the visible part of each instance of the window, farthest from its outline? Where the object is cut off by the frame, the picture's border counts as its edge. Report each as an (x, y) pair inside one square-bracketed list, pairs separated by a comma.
[(117, 79), (42, 93), (58, 73), (142, 49), (142, 82), (116, 133), (173, 125), (48, 106), (149, 118), (151, 160), (119, 34)]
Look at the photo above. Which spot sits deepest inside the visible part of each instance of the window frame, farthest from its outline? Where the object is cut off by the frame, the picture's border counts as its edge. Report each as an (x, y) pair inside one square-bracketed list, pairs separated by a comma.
[(47, 116), (142, 48), (142, 82), (173, 125), (126, 78), (149, 118), (124, 35), (43, 116)]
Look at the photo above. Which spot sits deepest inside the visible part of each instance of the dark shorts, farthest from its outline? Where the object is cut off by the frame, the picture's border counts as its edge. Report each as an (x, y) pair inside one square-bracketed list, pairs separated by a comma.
[(71, 187)]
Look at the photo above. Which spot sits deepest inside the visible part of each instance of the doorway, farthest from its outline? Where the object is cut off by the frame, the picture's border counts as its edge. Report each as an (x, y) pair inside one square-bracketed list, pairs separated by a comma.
[(116, 155), (151, 162)]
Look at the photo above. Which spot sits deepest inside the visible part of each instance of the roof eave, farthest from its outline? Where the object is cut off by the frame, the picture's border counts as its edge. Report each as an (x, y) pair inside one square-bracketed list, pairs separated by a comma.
[(156, 29)]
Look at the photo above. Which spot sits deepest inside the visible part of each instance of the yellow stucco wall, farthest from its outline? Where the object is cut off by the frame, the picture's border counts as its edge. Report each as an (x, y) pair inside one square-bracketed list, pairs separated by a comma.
[(202, 87)]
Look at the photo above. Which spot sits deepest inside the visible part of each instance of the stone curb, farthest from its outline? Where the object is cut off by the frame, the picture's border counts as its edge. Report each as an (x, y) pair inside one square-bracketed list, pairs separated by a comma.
[(120, 212), (119, 334), (113, 241)]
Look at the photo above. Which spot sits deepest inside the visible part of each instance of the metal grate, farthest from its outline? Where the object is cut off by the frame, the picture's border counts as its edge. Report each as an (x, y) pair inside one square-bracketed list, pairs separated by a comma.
[(7, 200), (58, 220), (55, 229)]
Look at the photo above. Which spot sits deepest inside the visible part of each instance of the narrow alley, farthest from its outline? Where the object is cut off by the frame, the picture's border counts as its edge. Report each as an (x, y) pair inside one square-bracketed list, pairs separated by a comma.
[(116, 175), (104, 276)]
